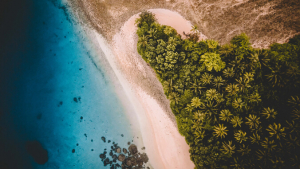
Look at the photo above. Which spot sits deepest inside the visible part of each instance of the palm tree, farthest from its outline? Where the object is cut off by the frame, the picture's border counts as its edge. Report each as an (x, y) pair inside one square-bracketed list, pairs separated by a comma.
[(169, 30), (210, 108), (188, 45), (212, 44), (228, 72), (262, 155), (151, 32), (244, 150), (236, 164), (226, 49), (228, 148), (197, 87), (236, 121), (220, 131), (276, 130), (242, 84), (253, 121), (199, 134), (143, 41), (225, 115), (206, 78), (268, 144), (211, 94), (254, 98), (196, 102), (175, 97), (255, 138), (199, 116), (194, 29), (189, 108), (240, 136), (231, 89), (218, 82), (238, 104), (267, 112)]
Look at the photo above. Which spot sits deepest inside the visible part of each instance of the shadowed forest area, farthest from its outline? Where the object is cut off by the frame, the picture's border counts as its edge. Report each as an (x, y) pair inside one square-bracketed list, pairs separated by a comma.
[(237, 106)]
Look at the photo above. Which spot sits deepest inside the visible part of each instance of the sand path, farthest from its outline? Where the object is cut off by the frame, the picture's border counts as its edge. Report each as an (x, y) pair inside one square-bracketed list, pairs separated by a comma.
[(165, 147)]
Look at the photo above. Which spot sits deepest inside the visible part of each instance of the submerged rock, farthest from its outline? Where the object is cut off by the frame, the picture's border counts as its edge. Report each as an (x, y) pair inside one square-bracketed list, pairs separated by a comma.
[(144, 157), (118, 150), (102, 156), (134, 160), (103, 139), (121, 157), (132, 149), (106, 162), (36, 150)]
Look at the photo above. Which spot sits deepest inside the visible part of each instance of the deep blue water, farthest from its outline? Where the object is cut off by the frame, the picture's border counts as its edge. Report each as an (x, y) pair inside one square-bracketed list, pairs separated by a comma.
[(52, 92)]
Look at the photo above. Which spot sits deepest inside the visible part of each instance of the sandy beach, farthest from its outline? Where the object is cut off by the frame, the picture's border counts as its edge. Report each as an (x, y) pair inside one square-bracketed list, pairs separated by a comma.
[(165, 147)]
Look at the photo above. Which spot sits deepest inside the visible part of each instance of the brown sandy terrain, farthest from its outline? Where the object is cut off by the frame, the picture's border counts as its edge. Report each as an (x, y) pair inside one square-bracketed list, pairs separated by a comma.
[(264, 21)]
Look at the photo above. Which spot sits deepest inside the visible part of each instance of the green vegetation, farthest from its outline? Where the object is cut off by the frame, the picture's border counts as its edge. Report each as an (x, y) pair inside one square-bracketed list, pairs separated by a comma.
[(238, 107)]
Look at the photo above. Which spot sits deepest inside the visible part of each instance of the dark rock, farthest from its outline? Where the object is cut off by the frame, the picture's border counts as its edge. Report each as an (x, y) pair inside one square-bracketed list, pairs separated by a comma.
[(106, 162), (125, 150), (143, 148), (132, 149), (128, 143), (114, 156), (36, 150), (103, 139), (122, 135), (108, 141), (92, 149), (130, 161), (102, 156), (111, 153), (75, 99), (77, 144), (140, 162), (73, 151), (121, 157), (144, 157)]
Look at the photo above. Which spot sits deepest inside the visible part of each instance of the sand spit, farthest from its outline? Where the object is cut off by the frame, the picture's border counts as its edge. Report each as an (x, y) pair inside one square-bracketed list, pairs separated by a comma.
[(165, 147)]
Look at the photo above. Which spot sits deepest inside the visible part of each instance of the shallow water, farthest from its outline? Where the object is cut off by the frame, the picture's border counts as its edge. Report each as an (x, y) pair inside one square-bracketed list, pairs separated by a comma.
[(53, 92)]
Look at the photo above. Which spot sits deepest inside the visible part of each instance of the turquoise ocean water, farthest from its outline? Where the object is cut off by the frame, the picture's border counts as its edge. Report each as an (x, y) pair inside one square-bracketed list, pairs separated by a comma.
[(52, 92)]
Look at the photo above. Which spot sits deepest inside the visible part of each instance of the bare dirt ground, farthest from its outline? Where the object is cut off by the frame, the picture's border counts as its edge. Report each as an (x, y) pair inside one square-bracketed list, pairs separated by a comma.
[(265, 21)]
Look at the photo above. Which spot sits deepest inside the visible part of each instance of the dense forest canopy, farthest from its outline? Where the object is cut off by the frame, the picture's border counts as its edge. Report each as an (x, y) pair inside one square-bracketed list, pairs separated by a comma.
[(238, 107)]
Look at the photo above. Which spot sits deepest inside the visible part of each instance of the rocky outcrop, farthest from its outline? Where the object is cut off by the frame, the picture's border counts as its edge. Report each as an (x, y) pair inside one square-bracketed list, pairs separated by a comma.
[(130, 158)]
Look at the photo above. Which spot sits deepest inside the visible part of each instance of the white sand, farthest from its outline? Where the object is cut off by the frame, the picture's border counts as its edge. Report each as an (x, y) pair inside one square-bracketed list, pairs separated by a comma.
[(165, 147)]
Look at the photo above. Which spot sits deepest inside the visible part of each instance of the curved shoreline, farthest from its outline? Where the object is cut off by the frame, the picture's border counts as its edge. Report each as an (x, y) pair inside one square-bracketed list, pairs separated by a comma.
[(165, 147)]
